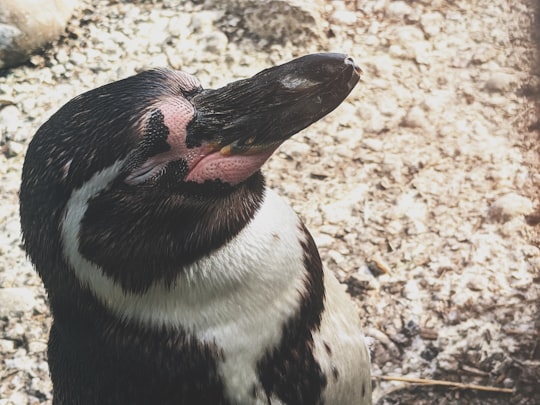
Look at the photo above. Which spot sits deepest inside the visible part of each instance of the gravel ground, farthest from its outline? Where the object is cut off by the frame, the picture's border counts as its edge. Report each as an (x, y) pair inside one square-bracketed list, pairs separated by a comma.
[(419, 189)]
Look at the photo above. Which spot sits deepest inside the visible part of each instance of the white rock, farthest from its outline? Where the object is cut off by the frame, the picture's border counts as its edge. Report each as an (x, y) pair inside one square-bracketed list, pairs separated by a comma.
[(383, 66), (178, 25), (409, 206), (374, 144), (431, 23), (337, 257), (62, 56), (500, 82), (295, 149), (215, 43), (297, 21), (341, 210), (58, 70), (415, 118), (394, 227), (77, 58), (323, 240), (15, 148), (397, 9), (7, 345), (406, 34), (26, 25), (15, 301), (420, 52), (349, 137), (344, 17), (18, 398), (203, 21), (10, 118), (386, 105), (370, 117), (21, 361), (37, 346), (509, 206)]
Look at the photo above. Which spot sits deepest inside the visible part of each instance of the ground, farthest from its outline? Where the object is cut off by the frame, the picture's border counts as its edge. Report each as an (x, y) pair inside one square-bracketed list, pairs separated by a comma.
[(420, 190)]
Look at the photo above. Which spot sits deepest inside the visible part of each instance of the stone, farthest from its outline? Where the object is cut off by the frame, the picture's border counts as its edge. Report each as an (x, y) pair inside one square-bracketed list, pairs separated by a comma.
[(295, 149), (500, 82), (27, 25), (323, 240), (203, 21), (36, 346), (509, 206), (341, 210), (18, 398), (7, 346), (295, 21), (215, 43), (397, 9), (432, 23), (15, 301), (344, 17), (14, 149), (10, 119), (415, 118)]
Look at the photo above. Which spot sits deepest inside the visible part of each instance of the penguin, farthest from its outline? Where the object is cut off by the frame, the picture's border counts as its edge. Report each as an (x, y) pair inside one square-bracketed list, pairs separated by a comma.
[(174, 274)]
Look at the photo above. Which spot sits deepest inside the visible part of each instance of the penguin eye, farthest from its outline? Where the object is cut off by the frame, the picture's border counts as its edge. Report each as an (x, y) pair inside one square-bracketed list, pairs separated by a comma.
[(144, 173), (169, 175)]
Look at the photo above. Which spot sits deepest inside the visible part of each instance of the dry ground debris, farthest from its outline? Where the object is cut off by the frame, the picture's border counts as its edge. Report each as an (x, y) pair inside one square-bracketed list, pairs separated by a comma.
[(420, 190)]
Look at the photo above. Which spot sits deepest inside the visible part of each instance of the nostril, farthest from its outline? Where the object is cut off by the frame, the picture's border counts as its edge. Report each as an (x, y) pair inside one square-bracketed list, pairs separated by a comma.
[(350, 61)]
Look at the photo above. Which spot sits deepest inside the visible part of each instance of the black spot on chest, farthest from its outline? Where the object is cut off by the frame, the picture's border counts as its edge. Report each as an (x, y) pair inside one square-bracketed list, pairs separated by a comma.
[(290, 370)]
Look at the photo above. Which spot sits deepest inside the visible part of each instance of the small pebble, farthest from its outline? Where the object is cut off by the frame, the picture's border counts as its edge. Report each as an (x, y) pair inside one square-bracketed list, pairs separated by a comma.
[(344, 17), (500, 82), (397, 9), (16, 301), (37, 347), (432, 23), (415, 118), (509, 206)]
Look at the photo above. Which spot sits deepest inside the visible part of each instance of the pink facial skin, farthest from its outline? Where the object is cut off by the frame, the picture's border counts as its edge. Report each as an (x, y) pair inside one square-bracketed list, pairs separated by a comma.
[(204, 162), (232, 169)]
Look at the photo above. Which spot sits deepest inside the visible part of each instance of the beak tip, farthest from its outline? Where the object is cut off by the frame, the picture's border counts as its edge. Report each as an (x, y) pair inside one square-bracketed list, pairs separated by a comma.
[(350, 61)]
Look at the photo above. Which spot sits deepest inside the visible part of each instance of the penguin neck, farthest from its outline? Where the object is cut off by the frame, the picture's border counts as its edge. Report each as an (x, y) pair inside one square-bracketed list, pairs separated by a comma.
[(140, 238), (261, 269), (258, 269)]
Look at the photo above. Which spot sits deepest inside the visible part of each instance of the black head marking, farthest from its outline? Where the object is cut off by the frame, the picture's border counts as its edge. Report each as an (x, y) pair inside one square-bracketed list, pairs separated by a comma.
[(153, 141), (155, 134)]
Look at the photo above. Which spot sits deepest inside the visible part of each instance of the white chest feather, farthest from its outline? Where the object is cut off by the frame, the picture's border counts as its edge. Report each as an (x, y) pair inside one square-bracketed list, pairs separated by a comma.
[(237, 297)]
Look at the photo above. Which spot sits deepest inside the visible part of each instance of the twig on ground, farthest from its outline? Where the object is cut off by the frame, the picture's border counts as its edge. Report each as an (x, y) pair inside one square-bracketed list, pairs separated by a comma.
[(445, 384)]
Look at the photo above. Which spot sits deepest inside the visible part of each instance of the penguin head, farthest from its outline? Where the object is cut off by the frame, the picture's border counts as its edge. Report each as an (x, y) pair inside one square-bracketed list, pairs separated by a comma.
[(158, 156)]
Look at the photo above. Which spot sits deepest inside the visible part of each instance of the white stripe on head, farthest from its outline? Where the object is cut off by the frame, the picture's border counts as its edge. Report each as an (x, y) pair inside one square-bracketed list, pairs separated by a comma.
[(74, 213)]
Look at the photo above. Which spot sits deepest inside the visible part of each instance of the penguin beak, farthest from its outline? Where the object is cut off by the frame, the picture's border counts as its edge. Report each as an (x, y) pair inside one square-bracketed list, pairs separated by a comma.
[(255, 115)]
